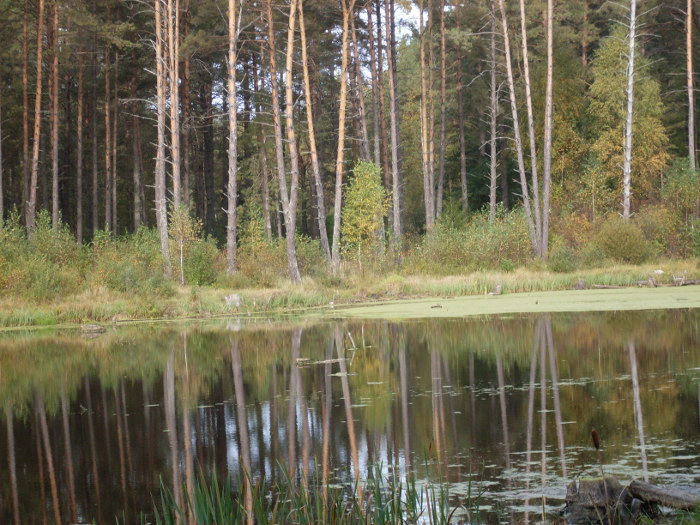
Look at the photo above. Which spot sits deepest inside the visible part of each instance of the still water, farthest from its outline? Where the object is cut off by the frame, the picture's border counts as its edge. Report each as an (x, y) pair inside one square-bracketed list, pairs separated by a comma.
[(500, 408)]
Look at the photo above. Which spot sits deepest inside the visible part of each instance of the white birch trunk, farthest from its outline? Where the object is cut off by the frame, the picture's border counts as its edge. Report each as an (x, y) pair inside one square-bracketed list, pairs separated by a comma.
[(627, 166)]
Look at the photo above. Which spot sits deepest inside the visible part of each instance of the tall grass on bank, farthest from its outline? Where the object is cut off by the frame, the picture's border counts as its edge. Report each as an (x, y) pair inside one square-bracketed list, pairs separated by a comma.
[(380, 500)]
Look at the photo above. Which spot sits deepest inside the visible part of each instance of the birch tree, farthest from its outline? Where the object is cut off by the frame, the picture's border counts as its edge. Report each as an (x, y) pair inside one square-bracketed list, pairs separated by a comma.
[(627, 166), (232, 186), (690, 83)]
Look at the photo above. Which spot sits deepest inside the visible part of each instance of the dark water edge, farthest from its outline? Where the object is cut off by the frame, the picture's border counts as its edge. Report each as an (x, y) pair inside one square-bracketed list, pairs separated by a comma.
[(96, 424)]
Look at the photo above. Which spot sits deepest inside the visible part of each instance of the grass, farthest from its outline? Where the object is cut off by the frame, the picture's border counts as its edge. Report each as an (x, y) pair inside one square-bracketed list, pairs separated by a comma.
[(380, 500), (101, 304)]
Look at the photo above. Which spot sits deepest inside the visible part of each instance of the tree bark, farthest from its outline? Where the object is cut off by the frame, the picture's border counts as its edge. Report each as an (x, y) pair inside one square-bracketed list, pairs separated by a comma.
[(627, 166), (262, 145), (347, 6), (493, 152), (462, 138), (425, 125), (315, 165), (173, 30), (2, 197), (186, 118), (690, 84), (115, 122), (108, 140), (79, 161), (376, 135), (136, 157), (25, 105), (53, 43), (292, 262), (394, 124), (531, 132), (232, 187), (160, 182), (30, 212), (382, 115), (548, 112), (443, 103), (364, 136), (516, 130), (93, 131)]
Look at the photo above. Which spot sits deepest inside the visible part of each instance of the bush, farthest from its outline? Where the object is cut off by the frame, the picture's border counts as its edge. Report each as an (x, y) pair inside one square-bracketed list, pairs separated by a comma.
[(561, 257), (622, 240), (203, 263), (661, 227)]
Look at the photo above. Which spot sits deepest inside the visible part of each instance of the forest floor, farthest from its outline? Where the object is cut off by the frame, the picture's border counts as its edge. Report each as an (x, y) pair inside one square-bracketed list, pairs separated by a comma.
[(623, 287)]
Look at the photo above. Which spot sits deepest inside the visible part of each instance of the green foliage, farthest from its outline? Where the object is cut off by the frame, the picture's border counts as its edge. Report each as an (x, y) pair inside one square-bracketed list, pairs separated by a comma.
[(607, 107), (478, 245), (681, 186), (363, 213), (561, 257), (195, 257), (622, 240)]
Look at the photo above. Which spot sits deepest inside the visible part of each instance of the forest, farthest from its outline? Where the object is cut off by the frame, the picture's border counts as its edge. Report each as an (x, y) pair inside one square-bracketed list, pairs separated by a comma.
[(244, 142)]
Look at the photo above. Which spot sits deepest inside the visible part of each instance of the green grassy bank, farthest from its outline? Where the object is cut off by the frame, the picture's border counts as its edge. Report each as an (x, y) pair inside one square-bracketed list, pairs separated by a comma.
[(371, 295)]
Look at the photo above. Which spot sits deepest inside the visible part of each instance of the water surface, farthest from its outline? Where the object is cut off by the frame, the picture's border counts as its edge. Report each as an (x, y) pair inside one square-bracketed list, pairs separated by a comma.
[(500, 408)]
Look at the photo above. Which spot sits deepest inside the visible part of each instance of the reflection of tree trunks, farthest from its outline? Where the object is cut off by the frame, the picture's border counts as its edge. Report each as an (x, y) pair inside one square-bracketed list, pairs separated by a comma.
[(39, 403), (291, 414), (40, 462), (305, 437), (453, 409), (120, 447), (189, 462), (93, 448), (436, 381), (105, 419), (504, 414), (11, 463), (242, 424), (274, 445), (638, 409), (530, 417), (171, 425), (348, 403), (543, 407), (403, 374), (147, 430), (326, 415), (72, 509), (555, 395), (127, 440), (472, 397)]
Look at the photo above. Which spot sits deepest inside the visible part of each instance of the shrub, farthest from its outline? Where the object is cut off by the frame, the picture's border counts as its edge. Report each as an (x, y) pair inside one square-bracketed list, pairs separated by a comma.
[(203, 263), (661, 227), (622, 240), (561, 257)]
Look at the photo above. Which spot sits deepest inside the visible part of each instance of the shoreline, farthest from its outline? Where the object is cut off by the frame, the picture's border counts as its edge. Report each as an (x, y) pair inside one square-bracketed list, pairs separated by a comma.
[(388, 296)]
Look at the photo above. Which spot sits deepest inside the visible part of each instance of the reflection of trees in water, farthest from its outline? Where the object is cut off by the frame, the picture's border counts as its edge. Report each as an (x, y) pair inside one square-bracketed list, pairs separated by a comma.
[(169, 380)]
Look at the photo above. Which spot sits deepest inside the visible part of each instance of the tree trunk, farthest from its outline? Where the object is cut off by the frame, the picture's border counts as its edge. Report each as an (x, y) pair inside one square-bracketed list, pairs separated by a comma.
[(443, 102), (627, 166), (290, 215), (25, 106), (431, 112), (136, 157), (382, 115), (53, 43), (79, 161), (393, 121), (375, 89), (30, 212), (232, 187), (93, 131), (115, 121), (293, 265), (2, 198), (108, 140), (347, 6), (173, 31), (206, 95), (315, 165), (462, 138), (493, 152), (424, 126), (690, 83), (262, 145), (364, 136), (160, 183), (516, 130), (186, 118), (531, 133), (547, 161)]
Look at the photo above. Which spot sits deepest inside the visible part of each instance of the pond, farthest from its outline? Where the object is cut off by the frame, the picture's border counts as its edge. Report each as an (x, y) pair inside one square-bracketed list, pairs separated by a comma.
[(499, 408)]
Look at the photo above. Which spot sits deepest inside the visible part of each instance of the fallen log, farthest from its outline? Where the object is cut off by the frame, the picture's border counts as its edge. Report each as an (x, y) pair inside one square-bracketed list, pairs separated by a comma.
[(666, 496), (606, 287)]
